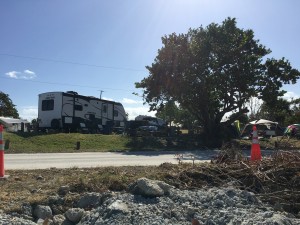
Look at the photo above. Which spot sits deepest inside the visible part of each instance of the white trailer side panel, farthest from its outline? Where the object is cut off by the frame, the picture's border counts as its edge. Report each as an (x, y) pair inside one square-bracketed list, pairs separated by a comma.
[(50, 105)]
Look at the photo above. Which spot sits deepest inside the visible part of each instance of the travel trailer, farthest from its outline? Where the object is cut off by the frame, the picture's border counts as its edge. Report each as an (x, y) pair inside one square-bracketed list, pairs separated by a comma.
[(71, 112)]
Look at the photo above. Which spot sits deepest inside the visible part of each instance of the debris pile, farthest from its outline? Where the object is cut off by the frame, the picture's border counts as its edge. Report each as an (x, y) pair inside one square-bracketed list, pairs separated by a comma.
[(275, 180)]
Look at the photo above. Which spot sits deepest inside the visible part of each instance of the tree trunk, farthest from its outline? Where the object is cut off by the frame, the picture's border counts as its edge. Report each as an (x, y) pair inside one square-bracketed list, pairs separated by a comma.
[(212, 135)]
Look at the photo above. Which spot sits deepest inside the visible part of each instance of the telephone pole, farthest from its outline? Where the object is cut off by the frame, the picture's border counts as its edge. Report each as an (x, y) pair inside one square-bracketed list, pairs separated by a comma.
[(101, 93)]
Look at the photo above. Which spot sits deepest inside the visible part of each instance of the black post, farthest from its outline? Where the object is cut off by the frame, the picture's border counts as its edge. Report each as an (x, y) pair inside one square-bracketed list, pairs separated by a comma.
[(6, 144), (78, 145)]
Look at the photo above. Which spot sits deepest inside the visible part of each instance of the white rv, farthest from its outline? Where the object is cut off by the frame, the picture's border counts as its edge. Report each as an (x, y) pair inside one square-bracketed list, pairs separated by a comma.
[(69, 111)]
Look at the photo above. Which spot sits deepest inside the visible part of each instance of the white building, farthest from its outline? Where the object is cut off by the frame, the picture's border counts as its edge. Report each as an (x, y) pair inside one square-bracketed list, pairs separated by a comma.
[(14, 125)]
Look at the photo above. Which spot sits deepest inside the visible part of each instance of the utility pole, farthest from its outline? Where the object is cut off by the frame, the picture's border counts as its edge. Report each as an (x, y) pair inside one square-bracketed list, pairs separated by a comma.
[(100, 93)]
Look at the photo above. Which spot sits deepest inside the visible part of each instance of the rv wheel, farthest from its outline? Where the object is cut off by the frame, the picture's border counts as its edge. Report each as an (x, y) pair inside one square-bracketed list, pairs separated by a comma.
[(55, 124)]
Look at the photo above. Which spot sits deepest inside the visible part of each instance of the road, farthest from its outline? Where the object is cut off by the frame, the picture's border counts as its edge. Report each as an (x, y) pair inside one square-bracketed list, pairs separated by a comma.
[(97, 159), (102, 159)]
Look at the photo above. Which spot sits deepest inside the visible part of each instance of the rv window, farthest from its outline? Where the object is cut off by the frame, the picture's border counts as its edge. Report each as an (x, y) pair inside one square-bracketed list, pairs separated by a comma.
[(104, 108), (116, 113), (47, 105), (78, 107)]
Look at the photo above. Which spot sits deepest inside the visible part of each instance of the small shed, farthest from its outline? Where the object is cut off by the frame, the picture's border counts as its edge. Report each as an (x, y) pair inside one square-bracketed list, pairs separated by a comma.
[(14, 125)]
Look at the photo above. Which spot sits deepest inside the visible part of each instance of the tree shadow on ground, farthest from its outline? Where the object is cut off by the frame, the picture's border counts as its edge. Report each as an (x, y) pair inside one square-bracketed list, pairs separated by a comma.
[(180, 142)]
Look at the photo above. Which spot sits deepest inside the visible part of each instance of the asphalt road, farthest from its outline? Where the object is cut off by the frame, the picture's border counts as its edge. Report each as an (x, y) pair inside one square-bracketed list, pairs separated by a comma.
[(102, 159), (96, 159)]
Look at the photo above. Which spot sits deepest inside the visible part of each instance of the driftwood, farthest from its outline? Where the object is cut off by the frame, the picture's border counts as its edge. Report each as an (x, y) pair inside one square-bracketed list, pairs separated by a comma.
[(275, 179)]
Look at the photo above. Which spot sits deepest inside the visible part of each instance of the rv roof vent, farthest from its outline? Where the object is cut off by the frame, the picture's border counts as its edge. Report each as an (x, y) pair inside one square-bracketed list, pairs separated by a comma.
[(72, 92)]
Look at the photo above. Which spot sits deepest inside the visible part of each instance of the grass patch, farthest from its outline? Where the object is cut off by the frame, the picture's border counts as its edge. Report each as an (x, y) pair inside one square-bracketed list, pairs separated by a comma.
[(67, 142), (64, 142)]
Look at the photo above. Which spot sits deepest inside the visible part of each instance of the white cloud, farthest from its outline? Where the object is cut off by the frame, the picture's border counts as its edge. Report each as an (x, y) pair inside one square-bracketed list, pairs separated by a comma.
[(12, 74), (26, 74), (28, 112), (289, 95), (29, 72), (130, 101), (136, 111), (108, 99)]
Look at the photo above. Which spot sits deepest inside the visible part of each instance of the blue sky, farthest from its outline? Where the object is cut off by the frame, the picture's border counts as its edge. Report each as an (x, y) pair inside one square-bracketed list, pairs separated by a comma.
[(92, 45)]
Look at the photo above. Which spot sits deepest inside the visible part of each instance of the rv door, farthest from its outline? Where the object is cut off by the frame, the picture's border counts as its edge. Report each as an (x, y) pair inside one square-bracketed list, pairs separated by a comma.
[(68, 109)]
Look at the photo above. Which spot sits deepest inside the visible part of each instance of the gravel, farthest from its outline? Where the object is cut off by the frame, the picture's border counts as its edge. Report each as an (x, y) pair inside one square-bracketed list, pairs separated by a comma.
[(209, 206), (212, 206)]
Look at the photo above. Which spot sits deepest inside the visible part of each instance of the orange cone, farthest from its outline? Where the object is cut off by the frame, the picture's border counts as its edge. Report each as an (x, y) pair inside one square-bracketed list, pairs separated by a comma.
[(255, 147)]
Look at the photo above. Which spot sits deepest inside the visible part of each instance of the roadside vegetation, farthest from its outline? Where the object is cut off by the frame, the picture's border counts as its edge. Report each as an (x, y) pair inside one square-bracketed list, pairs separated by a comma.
[(68, 142)]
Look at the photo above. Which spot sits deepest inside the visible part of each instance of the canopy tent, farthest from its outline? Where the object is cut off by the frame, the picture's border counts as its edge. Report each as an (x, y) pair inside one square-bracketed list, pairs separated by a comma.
[(264, 127), (263, 121)]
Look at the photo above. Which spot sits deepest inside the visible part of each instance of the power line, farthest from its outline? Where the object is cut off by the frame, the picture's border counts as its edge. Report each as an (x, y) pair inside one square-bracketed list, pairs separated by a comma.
[(69, 62), (64, 84)]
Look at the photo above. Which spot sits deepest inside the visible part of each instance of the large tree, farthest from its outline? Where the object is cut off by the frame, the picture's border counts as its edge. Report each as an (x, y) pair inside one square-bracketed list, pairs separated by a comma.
[(7, 108), (212, 71)]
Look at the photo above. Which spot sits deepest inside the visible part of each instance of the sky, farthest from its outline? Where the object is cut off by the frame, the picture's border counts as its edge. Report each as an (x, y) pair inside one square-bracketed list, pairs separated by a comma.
[(101, 46)]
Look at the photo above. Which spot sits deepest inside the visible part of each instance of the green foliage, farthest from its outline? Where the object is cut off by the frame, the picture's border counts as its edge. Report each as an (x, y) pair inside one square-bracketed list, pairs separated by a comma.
[(243, 119), (7, 108), (279, 111), (168, 112), (64, 142), (174, 114), (295, 112), (283, 111), (212, 71), (275, 73), (187, 120)]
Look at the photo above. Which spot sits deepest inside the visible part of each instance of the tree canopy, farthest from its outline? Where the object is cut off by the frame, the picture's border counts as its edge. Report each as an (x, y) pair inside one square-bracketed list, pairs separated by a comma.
[(7, 108), (214, 70), (295, 107)]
